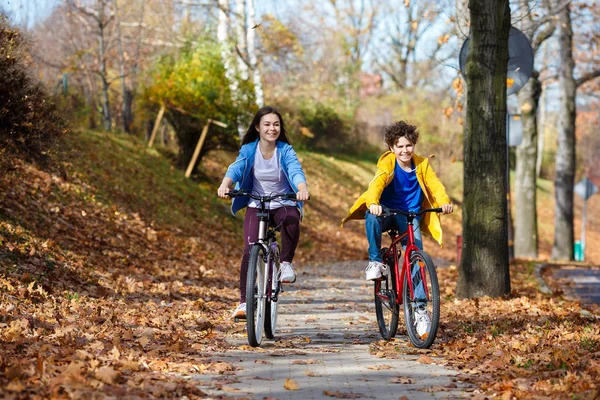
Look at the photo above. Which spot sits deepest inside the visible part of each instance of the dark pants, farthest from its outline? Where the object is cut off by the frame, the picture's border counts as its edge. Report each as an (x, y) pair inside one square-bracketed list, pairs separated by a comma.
[(288, 218)]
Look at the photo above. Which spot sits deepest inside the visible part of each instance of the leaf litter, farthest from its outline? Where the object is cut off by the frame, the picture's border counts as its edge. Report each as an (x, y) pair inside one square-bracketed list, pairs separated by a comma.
[(97, 296)]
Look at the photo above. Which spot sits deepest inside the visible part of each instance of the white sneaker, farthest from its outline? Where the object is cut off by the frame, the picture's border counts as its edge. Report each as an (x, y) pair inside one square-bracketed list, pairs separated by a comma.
[(422, 321), (240, 311), (375, 270), (287, 273)]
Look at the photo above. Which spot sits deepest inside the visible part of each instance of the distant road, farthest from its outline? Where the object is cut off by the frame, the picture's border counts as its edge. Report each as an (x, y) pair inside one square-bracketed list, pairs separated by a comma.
[(586, 283)]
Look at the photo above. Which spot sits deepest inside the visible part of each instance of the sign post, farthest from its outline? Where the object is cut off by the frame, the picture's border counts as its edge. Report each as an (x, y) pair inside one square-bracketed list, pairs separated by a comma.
[(585, 189)]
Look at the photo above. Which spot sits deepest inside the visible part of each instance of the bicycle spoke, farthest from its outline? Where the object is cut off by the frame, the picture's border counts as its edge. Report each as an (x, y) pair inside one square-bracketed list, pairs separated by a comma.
[(255, 290), (422, 311), (386, 307)]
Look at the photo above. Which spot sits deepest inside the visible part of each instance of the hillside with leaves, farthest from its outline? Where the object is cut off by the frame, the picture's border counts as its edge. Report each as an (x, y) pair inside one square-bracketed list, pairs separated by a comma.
[(118, 276)]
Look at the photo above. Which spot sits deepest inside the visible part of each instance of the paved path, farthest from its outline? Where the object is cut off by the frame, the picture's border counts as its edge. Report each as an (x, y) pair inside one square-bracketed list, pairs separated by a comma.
[(326, 327), (579, 282)]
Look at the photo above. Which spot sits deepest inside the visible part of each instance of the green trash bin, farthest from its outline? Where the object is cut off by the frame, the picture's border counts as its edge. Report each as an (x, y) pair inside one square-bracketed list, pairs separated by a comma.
[(578, 251)]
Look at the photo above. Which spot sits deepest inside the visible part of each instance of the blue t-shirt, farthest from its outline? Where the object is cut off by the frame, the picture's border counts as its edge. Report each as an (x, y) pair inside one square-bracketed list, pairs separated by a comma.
[(404, 192)]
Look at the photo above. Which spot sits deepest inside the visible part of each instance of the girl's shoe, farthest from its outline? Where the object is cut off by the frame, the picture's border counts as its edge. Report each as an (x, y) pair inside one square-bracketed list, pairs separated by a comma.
[(240, 312), (287, 273)]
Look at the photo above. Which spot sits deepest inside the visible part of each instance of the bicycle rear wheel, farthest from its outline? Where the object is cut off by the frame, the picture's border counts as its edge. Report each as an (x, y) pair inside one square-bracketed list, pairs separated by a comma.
[(255, 295), (271, 305), (386, 307), (422, 313)]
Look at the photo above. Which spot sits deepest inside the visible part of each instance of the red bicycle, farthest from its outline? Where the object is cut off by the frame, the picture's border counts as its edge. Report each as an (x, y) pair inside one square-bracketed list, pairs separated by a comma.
[(420, 295)]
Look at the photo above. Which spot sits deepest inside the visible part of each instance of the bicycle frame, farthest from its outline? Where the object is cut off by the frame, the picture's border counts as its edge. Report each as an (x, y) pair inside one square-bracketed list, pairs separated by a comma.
[(266, 236), (400, 273)]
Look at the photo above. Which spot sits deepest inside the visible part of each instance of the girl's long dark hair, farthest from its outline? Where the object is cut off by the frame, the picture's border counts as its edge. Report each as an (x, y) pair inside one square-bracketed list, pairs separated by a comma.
[(252, 133)]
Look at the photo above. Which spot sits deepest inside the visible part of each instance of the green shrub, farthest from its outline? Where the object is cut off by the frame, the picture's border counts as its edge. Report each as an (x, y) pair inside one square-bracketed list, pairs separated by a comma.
[(30, 121), (193, 87)]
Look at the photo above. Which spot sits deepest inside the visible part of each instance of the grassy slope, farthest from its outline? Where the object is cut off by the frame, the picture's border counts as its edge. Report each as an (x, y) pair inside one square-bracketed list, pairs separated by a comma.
[(124, 264)]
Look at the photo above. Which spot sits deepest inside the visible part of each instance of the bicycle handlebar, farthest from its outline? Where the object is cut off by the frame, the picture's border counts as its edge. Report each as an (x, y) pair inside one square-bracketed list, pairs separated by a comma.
[(391, 211), (282, 196)]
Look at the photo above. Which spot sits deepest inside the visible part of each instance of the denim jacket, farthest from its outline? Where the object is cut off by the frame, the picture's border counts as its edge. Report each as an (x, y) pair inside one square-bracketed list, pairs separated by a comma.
[(241, 172)]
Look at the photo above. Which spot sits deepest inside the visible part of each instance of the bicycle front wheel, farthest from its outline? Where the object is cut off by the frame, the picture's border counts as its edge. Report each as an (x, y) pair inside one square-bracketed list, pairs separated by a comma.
[(386, 306), (422, 311), (271, 305), (255, 295)]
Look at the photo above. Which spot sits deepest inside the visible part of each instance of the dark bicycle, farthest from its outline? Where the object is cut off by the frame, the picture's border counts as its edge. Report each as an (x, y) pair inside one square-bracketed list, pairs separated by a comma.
[(420, 294), (262, 283)]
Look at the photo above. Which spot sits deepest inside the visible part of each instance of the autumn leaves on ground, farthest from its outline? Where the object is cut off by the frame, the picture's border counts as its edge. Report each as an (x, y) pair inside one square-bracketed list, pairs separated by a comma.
[(118, 275)]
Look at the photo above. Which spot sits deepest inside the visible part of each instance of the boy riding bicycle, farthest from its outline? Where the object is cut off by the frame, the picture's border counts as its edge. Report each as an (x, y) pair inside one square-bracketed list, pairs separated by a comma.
[(404, 181)]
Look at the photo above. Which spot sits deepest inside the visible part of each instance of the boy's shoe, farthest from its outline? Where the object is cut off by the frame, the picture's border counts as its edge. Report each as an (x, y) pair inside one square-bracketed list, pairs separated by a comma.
[(422, 321), (375, 270), (239, 312), (287, 273)]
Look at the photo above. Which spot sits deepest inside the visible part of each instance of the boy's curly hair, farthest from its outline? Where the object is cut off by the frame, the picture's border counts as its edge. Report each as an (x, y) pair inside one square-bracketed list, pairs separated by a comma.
[(400, 129)]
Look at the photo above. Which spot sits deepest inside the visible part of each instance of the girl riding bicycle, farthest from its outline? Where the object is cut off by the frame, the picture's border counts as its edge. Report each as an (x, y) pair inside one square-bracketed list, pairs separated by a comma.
[(267, 164), (404, 181)]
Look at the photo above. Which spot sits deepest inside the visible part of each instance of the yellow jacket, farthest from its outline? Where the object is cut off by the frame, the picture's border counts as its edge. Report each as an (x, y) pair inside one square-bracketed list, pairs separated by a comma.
[(433, 190)]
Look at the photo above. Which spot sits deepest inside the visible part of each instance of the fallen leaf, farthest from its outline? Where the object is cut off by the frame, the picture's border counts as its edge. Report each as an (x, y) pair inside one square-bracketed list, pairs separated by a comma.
[(380, 367), (107, 375), (290, 384), (341, 395), (404, 380), (423, 359)]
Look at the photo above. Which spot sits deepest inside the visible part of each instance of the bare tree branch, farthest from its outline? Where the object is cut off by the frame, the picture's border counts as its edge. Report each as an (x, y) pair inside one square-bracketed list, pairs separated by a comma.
[(587, 77)]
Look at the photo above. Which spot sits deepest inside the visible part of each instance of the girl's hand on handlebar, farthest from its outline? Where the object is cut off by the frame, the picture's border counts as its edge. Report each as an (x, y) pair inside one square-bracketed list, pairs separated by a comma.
[(302, 195), (222, 191), (375, 209), (447, 208)]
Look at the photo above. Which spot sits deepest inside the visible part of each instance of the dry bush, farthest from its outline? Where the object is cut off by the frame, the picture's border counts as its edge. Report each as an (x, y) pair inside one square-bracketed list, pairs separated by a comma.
[(30, 121)]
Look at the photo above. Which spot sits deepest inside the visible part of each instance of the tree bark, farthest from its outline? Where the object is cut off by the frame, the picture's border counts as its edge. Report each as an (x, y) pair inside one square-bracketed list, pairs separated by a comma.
[(483, 269), (106, 117), (541, 131), (256, 78), (228, 56), (126, 92), (526, 234), (240, 29), (565, 152)]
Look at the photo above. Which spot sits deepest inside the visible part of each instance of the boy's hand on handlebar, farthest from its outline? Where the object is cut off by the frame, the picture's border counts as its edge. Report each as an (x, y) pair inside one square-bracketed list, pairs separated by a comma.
[(447, 208), (375, 209), (222, 191)]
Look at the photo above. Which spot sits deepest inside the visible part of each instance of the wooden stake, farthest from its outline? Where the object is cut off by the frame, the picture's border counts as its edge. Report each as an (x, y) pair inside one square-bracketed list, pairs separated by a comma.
[(190, 167), (156, 125)]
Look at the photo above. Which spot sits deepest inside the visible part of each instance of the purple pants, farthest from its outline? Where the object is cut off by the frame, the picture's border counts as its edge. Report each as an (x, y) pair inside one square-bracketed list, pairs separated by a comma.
[(288, 218)]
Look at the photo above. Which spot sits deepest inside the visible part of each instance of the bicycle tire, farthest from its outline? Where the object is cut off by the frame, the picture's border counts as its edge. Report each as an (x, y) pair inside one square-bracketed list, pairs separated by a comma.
[(255, 295), (431, 303), (386, 306), (271, 306)]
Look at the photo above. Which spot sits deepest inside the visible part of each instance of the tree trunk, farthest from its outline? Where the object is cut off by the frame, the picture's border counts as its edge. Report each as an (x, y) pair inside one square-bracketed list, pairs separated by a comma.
[(258, 88), (126, 92), (541, 130), (106, 118), (483, 269), (565, 152), (90, 103), (526, 237), (228, 56), (240, 29)]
